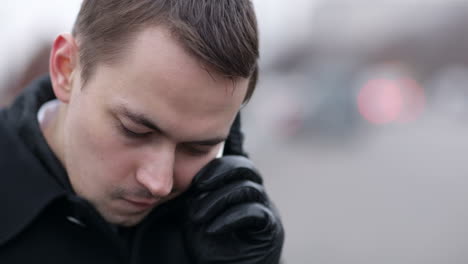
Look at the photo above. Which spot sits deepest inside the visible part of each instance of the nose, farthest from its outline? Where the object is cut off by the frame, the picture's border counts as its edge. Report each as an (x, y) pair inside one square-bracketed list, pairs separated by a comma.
[(156, 173)]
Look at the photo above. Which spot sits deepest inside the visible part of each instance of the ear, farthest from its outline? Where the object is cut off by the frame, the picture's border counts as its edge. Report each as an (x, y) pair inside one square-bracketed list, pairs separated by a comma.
[(63, 65)]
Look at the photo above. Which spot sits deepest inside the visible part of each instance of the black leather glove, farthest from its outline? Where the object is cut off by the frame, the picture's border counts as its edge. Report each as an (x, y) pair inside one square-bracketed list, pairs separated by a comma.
[(230, 218)]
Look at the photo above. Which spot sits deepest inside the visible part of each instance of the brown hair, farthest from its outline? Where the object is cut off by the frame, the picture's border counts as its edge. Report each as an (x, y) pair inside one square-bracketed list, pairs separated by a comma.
[(221, 33)]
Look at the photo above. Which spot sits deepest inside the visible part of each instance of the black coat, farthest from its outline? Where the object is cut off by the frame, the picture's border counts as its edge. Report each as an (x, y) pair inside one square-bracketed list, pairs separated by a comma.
[(43, 221)]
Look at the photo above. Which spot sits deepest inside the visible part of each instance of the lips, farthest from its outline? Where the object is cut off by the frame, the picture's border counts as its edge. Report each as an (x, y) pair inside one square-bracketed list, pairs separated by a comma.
[(141, 204)]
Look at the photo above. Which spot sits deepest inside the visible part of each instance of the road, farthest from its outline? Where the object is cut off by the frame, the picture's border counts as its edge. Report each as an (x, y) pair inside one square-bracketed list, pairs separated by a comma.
[(398, 195)]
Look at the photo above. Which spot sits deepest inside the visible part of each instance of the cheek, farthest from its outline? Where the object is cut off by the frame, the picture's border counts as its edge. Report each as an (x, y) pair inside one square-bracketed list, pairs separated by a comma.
[(186, 167), (95, 142), (97, 159)]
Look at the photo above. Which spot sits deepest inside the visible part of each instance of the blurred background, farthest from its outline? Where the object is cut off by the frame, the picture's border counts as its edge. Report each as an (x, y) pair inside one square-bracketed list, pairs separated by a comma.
[(358, 123)]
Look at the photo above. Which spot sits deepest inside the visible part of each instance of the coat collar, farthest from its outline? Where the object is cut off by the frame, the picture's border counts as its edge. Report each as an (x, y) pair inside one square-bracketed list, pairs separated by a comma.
[(26, 182)]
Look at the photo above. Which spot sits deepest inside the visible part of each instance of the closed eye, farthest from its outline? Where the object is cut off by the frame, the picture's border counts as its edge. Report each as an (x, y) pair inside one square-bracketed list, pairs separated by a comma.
[(197, 150), (132, 134)]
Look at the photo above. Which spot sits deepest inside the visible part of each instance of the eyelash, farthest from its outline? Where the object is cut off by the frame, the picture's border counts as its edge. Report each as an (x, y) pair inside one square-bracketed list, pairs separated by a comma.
[(196, 152), (133, 135), (130, 134)]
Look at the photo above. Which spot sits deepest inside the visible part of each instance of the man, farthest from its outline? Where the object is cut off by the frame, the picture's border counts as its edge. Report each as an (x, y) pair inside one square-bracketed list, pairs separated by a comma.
[(112, 158)]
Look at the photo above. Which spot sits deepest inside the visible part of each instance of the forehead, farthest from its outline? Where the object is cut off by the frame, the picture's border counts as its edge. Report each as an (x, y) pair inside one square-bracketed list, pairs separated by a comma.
[(157, 77)]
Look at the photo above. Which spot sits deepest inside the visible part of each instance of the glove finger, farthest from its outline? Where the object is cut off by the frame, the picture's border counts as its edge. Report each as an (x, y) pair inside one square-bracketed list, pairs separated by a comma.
[(206, 207), (234, 142), (249, 217), (225, 170)]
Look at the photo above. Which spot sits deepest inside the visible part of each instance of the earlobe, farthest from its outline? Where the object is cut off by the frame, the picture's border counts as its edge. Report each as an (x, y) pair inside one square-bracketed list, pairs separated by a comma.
[(62, 65)]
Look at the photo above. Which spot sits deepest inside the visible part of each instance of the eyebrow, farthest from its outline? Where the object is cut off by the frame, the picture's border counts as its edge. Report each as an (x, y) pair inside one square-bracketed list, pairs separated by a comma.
[(143, 120)]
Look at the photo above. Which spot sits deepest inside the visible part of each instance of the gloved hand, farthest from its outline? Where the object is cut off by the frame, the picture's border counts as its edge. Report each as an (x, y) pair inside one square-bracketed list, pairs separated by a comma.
[(230, 218)]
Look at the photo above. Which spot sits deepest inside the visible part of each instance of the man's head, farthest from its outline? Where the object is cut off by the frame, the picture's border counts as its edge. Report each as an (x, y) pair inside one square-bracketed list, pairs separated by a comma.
[(149, 89), (222, 34)]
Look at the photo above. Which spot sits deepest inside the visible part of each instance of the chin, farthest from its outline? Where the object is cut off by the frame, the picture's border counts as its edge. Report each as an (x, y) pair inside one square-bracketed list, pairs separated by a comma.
[(128, 223), (124, 220)]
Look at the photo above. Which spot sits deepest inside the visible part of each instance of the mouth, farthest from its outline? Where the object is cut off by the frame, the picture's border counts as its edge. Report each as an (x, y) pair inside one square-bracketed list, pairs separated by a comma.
[(141, 204)]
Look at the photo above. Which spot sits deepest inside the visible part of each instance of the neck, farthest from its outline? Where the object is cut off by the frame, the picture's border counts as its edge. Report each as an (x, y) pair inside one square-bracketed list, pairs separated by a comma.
[(51, 125)]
